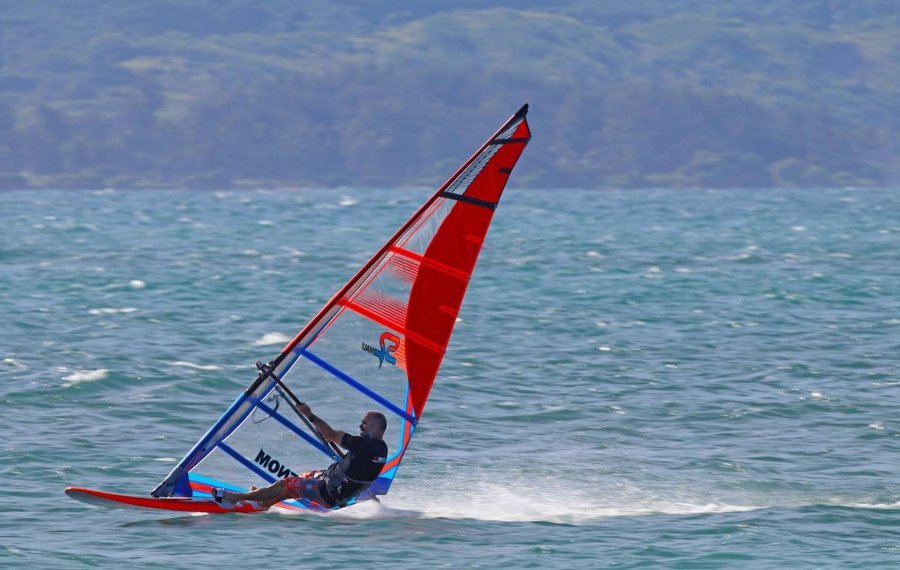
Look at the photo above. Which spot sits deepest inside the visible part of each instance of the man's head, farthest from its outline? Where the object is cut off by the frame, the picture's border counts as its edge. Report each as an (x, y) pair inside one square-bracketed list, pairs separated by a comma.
[(373, 425)]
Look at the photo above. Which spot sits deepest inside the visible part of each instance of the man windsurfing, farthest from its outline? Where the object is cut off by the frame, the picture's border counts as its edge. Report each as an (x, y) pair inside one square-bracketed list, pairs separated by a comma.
[(341, 481)]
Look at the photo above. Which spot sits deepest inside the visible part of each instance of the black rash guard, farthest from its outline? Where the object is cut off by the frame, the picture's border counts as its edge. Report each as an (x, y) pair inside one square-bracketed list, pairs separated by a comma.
[(360, 466)]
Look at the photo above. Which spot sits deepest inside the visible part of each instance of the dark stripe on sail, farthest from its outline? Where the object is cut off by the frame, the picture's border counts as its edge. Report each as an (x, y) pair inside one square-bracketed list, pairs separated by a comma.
[(521, 140), (286, 423), (470, 200), (246, 462), (358, 385)]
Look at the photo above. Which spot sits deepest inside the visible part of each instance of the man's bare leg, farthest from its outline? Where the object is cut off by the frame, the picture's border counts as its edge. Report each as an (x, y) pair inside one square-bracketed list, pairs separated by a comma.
[(267, 496)]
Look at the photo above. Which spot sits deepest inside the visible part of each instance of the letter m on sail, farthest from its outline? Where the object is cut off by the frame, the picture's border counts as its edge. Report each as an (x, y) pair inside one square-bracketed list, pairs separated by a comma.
[(263, 458)]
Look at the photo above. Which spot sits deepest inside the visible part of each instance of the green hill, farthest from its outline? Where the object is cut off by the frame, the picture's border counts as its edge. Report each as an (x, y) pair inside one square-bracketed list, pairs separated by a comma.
[(202, 93)]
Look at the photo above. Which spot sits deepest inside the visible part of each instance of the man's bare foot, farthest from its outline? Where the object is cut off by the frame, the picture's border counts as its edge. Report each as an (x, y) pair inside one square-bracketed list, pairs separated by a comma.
[(266, 505)]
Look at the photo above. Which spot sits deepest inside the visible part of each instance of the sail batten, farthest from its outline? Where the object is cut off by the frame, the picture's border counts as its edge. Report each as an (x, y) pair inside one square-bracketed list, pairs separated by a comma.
[(470, 200), (393, 325), (246, 462), (339, 374), (294, 428), (450, 271), (382, 336)]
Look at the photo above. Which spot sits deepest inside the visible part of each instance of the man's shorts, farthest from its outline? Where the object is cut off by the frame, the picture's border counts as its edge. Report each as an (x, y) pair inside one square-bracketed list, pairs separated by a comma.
[(307, 486)]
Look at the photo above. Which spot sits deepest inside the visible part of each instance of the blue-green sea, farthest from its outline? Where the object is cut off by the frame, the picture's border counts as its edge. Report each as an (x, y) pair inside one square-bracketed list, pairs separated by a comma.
[(639, 379)]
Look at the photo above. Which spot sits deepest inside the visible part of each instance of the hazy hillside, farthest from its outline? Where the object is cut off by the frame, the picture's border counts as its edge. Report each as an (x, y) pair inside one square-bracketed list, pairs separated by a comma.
[(203, 93)]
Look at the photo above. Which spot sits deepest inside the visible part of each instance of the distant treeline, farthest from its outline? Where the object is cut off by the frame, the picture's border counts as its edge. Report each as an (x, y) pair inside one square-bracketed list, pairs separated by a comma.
[(208, 94)]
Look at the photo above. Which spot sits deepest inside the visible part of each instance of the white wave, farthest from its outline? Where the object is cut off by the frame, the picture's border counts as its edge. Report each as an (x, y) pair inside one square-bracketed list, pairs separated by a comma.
[(551, 504), (373, 510), (185, 364), (85, 376), (17, 364), (136, 284), (549, 498), (544, 504), (270, 339), (881, 506), (112, 311), (347, 201), (561, 500), (293, 252)]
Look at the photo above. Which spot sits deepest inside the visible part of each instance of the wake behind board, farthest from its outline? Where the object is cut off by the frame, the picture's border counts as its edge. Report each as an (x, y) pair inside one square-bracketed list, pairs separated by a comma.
[(183, 504)]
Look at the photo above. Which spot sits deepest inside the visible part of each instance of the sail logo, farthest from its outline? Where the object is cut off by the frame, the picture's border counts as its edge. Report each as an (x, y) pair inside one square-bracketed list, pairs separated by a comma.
[(388, 345), (273, 466)]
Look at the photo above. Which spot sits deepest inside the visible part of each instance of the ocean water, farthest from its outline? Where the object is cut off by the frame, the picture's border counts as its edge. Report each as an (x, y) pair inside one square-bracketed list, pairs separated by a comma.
[(640, 379)]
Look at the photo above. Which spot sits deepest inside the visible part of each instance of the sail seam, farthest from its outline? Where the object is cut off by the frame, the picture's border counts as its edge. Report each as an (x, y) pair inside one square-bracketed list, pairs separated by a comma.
[(431, 263), (383, 305), (381, 320)]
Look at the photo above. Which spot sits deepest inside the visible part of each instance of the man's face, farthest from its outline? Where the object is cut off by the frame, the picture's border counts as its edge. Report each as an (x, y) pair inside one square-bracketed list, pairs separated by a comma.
[(365, 425)]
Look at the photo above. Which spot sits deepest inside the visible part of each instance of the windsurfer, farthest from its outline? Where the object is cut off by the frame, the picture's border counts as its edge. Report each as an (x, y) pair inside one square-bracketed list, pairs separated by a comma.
[(341, 481)]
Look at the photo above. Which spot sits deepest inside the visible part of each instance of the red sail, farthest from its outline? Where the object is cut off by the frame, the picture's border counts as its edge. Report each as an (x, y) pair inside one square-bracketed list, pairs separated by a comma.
[(376, 345), (434, 253), (446, 266)]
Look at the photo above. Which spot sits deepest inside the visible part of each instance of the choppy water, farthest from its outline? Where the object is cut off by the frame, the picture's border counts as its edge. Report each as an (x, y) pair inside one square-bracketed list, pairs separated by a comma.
[(663, 379)]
